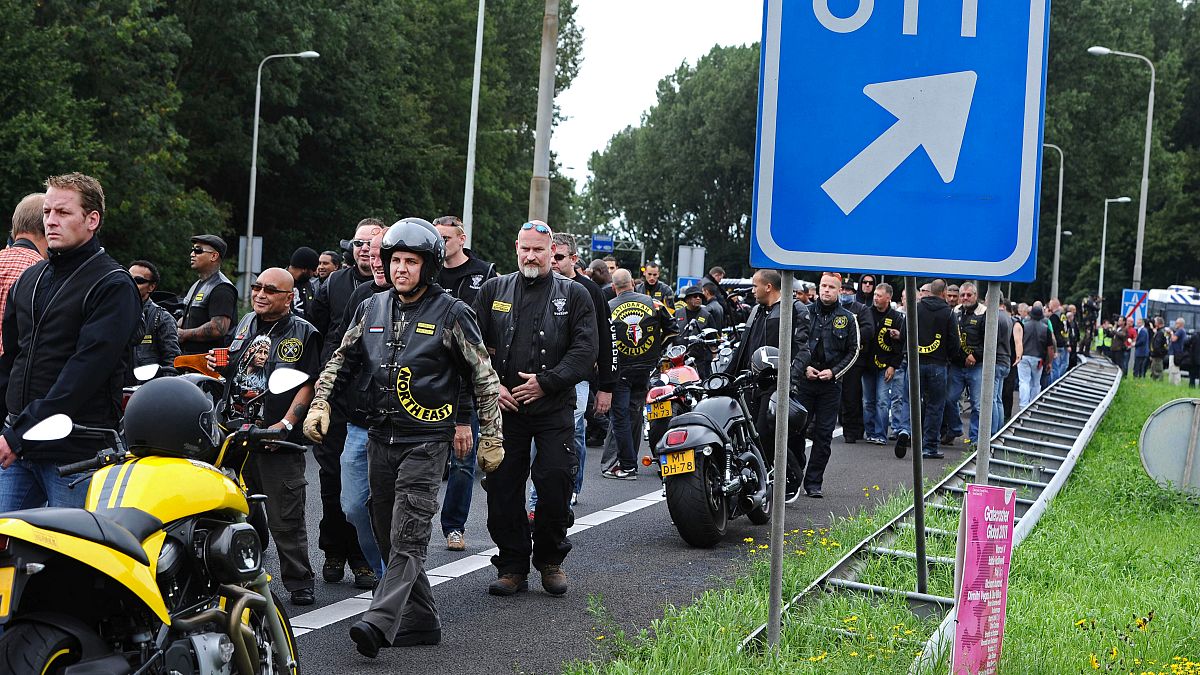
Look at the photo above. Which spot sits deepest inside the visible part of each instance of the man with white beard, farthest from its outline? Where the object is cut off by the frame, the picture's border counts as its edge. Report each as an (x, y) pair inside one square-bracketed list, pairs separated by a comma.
[(540, 329)]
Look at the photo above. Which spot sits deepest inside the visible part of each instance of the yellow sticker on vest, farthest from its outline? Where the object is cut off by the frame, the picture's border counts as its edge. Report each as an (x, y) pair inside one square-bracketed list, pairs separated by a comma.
[(290, 350), (426, 328), (839, 322), (410, 404), (501, 306)]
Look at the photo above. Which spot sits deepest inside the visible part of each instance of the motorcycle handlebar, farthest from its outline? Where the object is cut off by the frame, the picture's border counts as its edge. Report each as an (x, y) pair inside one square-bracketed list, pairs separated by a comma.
[(80, 467), (256, 434)]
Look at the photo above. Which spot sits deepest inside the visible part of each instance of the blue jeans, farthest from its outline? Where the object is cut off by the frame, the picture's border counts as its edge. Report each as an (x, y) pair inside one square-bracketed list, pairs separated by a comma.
[(971, 379), (356, 495), (885, 404), (456, 505), (629, 397), (581, 401), (1002, 370), (1029, 378), (30, 483), (898, 394), (1062, 359), (933, 404)]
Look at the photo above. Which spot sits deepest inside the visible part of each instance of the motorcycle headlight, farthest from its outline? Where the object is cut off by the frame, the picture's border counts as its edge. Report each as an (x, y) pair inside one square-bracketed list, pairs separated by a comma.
[(233, 553)]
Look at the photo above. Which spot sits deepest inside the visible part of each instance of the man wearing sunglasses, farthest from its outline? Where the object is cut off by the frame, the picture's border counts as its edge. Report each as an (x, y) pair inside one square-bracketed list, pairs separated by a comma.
[(279, 474), (328, 312), (159, 341), (540, 329), (211, 301)]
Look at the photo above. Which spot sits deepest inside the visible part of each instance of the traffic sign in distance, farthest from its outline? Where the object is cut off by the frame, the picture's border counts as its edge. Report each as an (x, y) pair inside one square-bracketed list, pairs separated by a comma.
[(602, 243), (1133, 304), (901, 137)]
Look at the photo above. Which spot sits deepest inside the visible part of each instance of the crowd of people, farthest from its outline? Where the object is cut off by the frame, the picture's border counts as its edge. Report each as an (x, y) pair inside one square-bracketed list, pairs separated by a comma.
[(423, 360)]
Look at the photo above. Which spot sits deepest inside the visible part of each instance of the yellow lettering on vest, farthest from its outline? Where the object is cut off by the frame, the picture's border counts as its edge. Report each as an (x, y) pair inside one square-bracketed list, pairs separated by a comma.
[(410, 404)]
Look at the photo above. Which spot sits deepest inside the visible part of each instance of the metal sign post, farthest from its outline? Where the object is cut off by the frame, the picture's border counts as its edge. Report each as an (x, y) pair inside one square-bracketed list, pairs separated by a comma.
[(783, 388), (987, 406), (915, 420)]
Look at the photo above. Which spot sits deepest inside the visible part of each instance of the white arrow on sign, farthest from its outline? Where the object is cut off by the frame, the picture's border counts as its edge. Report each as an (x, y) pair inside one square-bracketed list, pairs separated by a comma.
[(931, 112)]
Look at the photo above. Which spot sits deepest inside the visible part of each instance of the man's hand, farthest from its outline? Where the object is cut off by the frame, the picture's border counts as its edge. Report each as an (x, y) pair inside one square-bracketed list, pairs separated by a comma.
[(894, 333), (603, 402), (211, 359), (825, 375), (811, 373), (971, 360), (888, 374), (491, 453), (507, 402), (463, 440), (7, 456), (316, 423), (530, 391)]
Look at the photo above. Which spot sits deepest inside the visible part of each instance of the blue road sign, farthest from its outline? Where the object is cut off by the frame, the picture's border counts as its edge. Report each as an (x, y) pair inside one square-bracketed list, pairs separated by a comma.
[(1133, 304), (602, 243), (901, 137), (684, 282)]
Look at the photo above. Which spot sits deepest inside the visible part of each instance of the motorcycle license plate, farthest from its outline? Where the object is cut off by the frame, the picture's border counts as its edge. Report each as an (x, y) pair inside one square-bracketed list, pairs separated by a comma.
[(675, 463), (659, 410), (7, 574)]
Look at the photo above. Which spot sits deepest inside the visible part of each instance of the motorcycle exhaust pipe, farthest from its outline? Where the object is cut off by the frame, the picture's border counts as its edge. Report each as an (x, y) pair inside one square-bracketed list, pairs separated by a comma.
[(751, 502), (245, 655)]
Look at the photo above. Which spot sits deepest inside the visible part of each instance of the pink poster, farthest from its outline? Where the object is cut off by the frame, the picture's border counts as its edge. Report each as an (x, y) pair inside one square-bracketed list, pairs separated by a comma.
[(985, 534)]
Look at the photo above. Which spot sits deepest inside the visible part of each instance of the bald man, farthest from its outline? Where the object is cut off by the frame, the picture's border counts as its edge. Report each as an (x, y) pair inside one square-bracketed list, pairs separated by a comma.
[(267, 338)]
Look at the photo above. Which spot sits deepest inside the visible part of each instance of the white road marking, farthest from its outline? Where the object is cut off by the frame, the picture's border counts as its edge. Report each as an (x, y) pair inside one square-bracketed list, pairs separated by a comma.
[(352, 607)]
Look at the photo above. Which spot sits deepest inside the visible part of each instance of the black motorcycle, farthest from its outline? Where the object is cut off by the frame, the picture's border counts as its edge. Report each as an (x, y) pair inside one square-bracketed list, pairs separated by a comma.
[(711, 463)]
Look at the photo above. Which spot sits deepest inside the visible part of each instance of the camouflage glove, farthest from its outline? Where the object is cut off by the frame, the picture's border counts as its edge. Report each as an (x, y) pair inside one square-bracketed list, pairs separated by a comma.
[(491, 453), (316, 423)]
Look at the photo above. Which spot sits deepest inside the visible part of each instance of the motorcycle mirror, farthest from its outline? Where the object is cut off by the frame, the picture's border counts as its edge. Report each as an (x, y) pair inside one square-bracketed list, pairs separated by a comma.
[(145, 373), (286, 379), (53, 428)]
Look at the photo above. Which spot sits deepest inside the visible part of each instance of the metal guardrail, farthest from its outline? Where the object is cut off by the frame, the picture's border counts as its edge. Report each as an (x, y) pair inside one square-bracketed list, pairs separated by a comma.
[(1034, 452)]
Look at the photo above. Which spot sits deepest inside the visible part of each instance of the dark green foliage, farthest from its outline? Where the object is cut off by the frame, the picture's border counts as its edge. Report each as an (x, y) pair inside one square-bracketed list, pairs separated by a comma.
[(156, 99)]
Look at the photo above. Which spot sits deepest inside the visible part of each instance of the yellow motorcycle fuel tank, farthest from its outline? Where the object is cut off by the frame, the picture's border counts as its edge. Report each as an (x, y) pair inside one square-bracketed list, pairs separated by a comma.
[(167, 488)]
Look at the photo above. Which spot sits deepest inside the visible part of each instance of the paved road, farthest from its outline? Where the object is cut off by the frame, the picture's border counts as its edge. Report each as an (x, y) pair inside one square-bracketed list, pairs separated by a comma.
[(626, 553)]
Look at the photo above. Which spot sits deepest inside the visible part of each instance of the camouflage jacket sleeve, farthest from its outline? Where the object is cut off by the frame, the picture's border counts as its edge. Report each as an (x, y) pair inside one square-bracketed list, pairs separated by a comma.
[(337, 371), (468, 343)]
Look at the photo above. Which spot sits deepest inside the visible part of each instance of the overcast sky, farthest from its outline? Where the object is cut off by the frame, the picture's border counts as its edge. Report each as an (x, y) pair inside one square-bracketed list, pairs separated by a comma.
[(628, 46)]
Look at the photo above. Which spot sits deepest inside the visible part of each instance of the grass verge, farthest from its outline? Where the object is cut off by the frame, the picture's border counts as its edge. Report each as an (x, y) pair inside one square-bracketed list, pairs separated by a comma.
[(1108, 582)]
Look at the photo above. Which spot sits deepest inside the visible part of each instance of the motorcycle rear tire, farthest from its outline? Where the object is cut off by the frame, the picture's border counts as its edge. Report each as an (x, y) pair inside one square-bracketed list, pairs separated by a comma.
[(696, 504), (37, 649)]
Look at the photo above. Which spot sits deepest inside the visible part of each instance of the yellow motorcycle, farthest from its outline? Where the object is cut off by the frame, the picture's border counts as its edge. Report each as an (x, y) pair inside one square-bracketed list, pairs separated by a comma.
[(161, 572)]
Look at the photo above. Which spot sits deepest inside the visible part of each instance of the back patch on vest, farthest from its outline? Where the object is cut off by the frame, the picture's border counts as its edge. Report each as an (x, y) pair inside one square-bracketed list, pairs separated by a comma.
[(290, 350), (410, 404)]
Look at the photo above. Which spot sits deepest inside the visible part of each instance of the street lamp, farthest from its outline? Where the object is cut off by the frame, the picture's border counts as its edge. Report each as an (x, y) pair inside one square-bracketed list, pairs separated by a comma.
[(254, 165), (473, 133), (1104, 241), (1141, 231), (1058, 227)]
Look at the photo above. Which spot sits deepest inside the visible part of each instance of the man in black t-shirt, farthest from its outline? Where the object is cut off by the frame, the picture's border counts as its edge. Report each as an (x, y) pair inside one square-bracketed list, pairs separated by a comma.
[(272, 337), (211, 303)]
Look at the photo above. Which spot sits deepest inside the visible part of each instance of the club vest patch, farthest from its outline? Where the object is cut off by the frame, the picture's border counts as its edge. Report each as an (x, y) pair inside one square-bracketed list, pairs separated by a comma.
[(410, 404), (290, 350)]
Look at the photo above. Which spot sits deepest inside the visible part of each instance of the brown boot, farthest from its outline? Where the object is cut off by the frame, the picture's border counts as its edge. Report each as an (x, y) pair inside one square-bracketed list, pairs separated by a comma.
[(554, 580), (508, 584)]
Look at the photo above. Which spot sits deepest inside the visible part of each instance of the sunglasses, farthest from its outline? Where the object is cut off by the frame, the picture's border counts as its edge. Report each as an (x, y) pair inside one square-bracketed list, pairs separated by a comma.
[(559, 257), (270, 290), (140, 281), (359, 243), (544, 229), (200, 251)]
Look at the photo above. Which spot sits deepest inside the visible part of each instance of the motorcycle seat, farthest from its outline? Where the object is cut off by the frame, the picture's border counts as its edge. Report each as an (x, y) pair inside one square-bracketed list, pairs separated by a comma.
[(699, 419), (111, 528)]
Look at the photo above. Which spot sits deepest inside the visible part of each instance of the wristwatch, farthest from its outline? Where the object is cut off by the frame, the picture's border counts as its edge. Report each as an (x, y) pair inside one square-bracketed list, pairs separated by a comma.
[(288, 425)]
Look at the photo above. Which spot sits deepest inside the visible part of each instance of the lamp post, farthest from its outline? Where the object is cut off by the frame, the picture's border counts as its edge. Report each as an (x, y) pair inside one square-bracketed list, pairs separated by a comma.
[(1058, 227), (1104, 242), (254, 164), (539, 185), (473, 134), (1141, 231)]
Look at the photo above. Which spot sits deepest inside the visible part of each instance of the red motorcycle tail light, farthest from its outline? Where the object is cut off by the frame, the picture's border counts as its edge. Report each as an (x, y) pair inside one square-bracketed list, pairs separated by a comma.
[(656, 392), (678, 437)]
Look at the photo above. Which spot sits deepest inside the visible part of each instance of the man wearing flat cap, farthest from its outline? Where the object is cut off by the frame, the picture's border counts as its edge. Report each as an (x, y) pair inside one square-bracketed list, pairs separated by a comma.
[(211, 301), (692, 318)]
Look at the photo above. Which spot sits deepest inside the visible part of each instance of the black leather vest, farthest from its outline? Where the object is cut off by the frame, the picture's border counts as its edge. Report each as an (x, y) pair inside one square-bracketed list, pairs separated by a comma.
[(198, 296), (970, 333), (412, 381), (639, 339), (552, 336), (50, 339), (287, 341)]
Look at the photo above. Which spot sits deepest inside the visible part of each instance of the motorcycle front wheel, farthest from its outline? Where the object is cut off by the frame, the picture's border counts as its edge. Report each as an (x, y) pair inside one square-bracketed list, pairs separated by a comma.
[(697, 504), (37, 649), (266, 642)]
